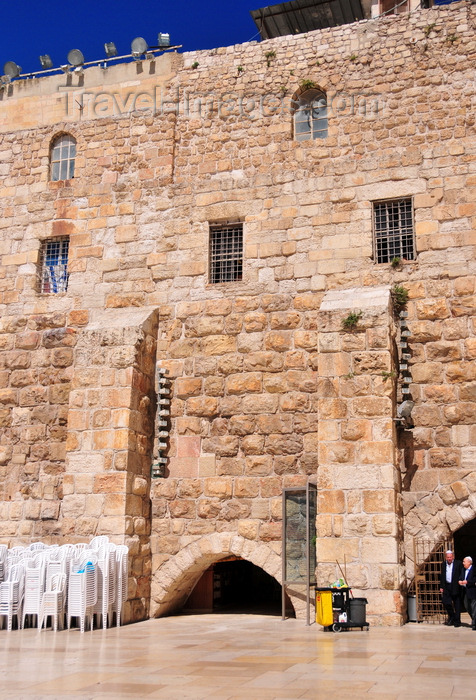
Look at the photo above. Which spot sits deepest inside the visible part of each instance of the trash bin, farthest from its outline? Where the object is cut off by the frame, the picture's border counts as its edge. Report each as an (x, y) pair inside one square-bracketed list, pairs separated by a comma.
[(357, 611), (324, 612), (411, 608)]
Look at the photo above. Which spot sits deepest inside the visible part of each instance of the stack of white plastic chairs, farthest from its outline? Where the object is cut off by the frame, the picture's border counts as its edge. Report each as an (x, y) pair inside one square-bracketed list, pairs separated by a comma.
[(11, 595), (73, 581), (83, 589), (106, 581), (3, 561), (122, 564), (53, 602), (35, 569)]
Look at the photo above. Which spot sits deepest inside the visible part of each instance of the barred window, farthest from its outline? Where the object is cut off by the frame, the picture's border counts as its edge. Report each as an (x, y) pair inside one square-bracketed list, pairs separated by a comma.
[(394, 230), (63, 155), (310, 116), (226, 253), (53, 266)]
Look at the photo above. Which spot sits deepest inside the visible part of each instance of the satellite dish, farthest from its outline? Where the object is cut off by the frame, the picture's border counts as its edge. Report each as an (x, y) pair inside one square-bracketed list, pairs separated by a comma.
[(11, 69), (75, 57), (139, 46)]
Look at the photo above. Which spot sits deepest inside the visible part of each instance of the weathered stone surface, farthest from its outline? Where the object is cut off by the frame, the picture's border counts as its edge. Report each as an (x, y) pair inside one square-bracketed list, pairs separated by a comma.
[(266, 386)]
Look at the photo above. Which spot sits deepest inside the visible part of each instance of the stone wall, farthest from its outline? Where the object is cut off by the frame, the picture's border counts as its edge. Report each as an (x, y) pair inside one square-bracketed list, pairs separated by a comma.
[(165, 148)]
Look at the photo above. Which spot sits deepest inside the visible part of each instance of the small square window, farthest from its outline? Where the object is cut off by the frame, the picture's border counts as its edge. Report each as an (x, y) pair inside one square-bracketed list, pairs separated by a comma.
[(394, 230), (226, 253), (53, 266)]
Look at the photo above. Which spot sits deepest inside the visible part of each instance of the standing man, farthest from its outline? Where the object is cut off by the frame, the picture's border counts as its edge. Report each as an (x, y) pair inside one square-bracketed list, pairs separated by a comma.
[(451, 574), (468, 582)]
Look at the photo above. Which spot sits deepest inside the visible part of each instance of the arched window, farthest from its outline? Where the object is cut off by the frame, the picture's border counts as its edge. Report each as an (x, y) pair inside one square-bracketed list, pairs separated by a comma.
[(310, 116), (62, 157)]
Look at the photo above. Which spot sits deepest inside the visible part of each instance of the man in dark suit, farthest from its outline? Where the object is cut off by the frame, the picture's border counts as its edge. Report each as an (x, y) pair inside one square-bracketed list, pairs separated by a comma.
[(451, 573), (468, 583)]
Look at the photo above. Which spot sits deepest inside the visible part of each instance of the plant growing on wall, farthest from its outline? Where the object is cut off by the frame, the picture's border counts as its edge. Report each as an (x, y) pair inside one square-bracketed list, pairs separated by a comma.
[(395, 262), (269, 55), (350, 322), (195, 64), (399, 297), (307, 85), (240, 69)]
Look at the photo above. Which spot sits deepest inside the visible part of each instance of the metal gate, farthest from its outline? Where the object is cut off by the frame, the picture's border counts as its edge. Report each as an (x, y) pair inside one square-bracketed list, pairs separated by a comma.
[(428, 556)]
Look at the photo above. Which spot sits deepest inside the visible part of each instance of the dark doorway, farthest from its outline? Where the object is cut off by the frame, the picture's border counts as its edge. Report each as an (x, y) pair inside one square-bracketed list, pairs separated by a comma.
[(237, 586), (465, 541)]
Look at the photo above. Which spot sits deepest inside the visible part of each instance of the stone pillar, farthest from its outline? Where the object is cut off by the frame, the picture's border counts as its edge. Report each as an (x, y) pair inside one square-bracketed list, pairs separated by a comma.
[(359, 511), (109, 442)]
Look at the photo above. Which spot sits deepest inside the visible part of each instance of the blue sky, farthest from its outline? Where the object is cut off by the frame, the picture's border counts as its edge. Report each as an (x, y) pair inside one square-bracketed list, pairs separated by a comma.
[(53, 27)]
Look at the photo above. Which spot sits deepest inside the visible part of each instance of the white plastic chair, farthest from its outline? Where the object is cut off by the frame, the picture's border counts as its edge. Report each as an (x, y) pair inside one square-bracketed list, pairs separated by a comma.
[(82, 590), (106, 583), (11, 595), (3, 561), (53, 603), (34, 586), (122, 567), (39, 546), (99, 541)]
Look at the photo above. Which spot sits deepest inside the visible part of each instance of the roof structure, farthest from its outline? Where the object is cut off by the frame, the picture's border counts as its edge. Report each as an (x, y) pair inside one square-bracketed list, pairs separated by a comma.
[(299, 16)]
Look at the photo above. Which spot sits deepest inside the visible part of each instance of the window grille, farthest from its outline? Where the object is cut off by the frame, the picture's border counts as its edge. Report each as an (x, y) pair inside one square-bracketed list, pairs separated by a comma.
[(226, 253), (310, 117), (394, 230), (53, 266), (63, 154)]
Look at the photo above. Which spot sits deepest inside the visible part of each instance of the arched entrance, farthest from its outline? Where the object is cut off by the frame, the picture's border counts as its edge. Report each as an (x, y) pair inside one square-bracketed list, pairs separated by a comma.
[(236, 585), (465, 541), (175, 579)]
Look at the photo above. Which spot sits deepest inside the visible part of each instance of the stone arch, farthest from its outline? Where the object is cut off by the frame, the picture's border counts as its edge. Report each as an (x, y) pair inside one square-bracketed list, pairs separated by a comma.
[(438, 514), (174, 580)]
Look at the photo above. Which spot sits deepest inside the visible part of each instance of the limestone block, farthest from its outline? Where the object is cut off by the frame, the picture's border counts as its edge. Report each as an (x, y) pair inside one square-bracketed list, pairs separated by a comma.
[(371, 362), (331, 549), (329, 342), (278, 341), (218, 487), (355, 476), (248, 529), (330, 502), (244, 383), (285, 320), (370, 406), (442, 458), (376, 452), (263, 361), (258, 404), (73, 506), (218, 344), (204, 406), (255, 322), (246, 487), (379, 501), (260, 508), (356, 526), (353, 429), (336, 453), (381, 550)]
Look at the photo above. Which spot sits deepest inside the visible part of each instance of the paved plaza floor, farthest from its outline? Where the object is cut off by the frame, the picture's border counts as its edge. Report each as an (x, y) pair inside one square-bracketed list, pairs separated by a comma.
[(238, 656)]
